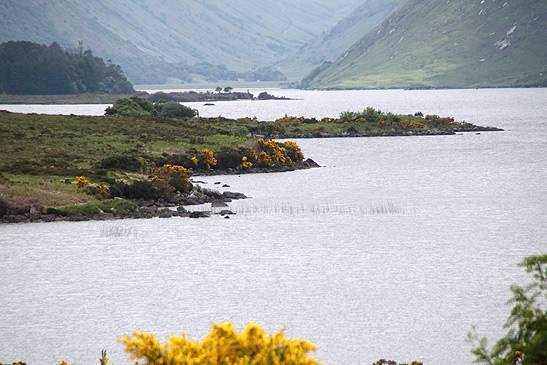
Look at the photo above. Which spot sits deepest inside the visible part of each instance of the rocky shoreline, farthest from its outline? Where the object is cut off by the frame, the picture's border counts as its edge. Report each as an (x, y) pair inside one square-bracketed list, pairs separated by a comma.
[(174, 206), (164, 208)]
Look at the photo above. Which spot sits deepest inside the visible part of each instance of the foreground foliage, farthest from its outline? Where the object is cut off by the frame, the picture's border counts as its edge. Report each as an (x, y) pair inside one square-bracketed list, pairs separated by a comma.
[(526, 339), (223, 345)]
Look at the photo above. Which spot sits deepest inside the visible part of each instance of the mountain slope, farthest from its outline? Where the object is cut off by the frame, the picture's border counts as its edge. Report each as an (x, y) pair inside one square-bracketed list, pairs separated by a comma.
[(239, 34), (454, 43), (338, 39)]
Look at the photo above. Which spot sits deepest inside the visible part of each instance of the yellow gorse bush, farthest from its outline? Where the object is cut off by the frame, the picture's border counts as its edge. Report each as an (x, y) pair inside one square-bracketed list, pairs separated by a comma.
[(206, 157), (169, 170), (276, 152), (223, 345), (81, 182), (244, 163)]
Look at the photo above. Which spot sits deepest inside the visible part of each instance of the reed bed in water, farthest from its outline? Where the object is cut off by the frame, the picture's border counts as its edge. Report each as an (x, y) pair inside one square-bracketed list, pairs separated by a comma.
[(118, 231), (287, 208)]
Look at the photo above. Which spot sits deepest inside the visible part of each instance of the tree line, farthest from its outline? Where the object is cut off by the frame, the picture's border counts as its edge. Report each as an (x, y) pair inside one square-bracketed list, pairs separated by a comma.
[(28, 68)]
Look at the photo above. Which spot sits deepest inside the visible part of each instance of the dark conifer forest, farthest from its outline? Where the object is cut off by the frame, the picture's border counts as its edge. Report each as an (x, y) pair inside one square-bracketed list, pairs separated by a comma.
[(28, 68)]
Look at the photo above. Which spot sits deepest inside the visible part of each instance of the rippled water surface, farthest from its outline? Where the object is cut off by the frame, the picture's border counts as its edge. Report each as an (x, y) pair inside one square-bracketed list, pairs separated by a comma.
[(392, 249)]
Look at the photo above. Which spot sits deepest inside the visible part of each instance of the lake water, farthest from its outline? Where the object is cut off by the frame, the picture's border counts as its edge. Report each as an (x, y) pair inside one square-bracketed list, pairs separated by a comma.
[(393, 249)]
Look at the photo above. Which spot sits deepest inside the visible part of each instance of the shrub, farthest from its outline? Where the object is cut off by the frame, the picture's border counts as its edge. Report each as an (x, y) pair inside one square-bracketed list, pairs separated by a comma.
[(121, 162), (391, 362), (223, 345), (317, 131), (249, 153), (293, 151), (146, 190), (173, 109), (133, 106), (228, 158), (526, 341), (171, 178), (204, 160)]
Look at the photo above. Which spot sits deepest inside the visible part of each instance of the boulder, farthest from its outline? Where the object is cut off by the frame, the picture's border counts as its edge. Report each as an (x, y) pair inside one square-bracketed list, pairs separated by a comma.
[(232, 195), (200, 214)]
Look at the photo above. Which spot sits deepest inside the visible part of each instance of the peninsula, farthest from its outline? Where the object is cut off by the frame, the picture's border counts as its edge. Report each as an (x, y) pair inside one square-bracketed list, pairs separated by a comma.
[(114, 166)]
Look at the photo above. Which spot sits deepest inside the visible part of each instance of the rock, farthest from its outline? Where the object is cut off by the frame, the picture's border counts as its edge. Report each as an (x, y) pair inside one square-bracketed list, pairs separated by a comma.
[(225, 186), (200, 214), (148, 210), (212, 193), (226, 212), (232, 195), (78, 218), (103, 216), (165, 213), (48, 217), (17, 218), (218, 204), (34, 214)]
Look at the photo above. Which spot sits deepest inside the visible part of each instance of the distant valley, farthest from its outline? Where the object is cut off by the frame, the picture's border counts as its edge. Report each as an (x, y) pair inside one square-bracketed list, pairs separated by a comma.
[(156, 41), (314, 44)]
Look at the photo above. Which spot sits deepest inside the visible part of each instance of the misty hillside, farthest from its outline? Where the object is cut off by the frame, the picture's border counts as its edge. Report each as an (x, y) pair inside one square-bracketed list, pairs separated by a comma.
[(331, 44), (453, 43), (143, 35)]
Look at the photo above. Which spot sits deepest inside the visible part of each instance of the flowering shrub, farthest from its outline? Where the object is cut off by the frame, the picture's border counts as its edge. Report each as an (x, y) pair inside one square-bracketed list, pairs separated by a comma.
[(223, 345), (401, 124), (264, 160), (81, 182), (391, 362), (175, 176), (99, 191), (249, 153), (276, 152), (293, 151), (317, 131), (206, 158), (328, 120), (287, 119), (244, 163)]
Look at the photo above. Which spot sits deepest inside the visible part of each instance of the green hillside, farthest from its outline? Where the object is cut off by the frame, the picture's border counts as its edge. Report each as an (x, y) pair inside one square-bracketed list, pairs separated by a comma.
[(157, 40), (456, 44), (331, 44)]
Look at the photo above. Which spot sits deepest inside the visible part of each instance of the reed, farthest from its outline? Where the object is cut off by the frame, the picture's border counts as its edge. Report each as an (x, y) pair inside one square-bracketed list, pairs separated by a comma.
[(319, 209), (118, 231)]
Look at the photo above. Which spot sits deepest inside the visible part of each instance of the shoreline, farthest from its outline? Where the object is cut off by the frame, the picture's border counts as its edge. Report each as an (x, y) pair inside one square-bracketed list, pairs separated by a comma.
[(177, 96), (165, 208)]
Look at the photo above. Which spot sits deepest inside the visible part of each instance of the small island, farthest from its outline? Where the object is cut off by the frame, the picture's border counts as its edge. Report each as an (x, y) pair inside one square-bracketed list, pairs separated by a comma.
[(140, 159)]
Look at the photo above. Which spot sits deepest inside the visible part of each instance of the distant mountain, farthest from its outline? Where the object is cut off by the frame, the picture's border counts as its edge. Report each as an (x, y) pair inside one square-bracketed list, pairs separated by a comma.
[(154, 40), (331, 44), (452, 43)]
